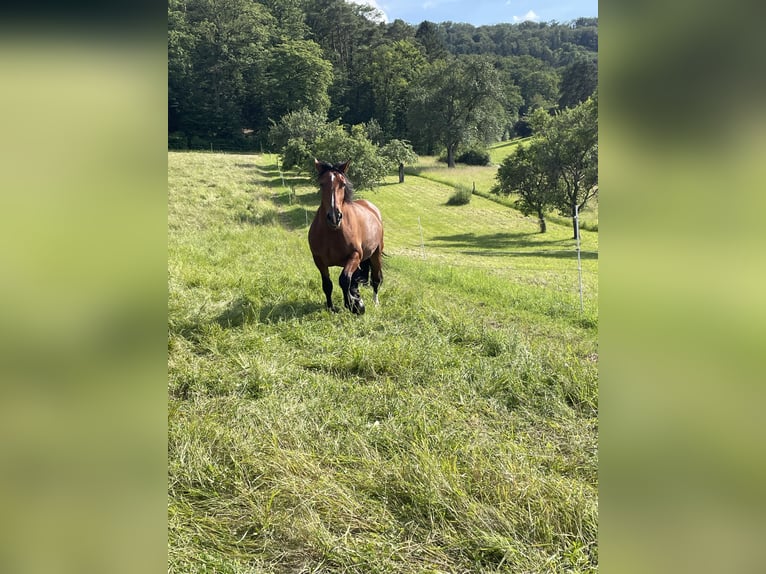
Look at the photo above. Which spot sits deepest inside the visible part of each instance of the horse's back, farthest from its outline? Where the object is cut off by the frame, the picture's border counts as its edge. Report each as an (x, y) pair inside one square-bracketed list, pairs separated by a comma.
[(371, 207), (373, 228)]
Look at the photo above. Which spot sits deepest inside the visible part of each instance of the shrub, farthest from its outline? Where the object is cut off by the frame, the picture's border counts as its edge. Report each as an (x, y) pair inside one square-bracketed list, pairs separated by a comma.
[(474, 156), (462, 196), (177, 140)]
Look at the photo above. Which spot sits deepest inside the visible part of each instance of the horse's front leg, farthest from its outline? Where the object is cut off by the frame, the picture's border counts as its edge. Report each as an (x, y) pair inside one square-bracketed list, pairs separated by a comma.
[(326, 284), (351, 298)]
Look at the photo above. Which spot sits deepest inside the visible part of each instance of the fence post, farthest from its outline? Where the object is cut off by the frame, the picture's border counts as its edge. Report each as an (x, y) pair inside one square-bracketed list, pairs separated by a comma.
[(422, 245), (579, 263)]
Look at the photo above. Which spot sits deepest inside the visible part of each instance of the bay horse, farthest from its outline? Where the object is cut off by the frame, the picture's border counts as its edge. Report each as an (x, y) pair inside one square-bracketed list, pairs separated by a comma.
[(345, 233)]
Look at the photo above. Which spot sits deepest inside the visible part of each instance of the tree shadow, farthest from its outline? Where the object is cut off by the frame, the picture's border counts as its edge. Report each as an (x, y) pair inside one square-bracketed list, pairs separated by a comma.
[(502, 245), (278, 182), (556, 254), (496, 240), (270, 170), (297, 217)]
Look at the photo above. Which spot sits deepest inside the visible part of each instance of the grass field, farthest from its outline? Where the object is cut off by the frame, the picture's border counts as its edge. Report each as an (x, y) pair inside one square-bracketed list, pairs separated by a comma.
[(451, 429), (481, 179)]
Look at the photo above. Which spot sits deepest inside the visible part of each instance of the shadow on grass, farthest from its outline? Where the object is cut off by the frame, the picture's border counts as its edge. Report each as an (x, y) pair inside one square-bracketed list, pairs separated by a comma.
[(496, 240), (286, 310), (557, 254), (297, 218), (270, 170), (242, 311), (277, 182), (498, 244)]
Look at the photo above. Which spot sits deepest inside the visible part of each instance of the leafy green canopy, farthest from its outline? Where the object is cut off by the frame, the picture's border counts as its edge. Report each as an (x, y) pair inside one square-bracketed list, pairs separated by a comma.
[(559, 168), (236, 66), (304, 135)]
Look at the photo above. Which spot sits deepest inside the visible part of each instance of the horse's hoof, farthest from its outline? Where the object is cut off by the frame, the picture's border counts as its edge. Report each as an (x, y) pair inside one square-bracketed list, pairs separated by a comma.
[(357, 307)]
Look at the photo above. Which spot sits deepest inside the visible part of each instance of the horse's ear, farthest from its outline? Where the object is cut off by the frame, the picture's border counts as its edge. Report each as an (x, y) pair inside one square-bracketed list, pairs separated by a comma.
[(317, 165), (344, 166)]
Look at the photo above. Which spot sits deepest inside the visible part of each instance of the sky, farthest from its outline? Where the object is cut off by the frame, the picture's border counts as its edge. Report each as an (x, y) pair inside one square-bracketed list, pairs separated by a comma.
[(480, 12)]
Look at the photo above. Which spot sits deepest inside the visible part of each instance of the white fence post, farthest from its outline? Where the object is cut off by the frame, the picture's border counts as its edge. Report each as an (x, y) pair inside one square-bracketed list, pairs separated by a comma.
[(579, 263), (422, 245)]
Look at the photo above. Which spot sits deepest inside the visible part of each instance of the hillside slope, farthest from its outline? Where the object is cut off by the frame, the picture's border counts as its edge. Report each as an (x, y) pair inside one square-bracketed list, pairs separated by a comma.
[(453, 428)]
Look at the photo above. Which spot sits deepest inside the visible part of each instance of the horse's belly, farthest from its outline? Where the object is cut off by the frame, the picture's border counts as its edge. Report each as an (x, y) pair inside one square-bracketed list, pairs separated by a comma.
[(360, 232)]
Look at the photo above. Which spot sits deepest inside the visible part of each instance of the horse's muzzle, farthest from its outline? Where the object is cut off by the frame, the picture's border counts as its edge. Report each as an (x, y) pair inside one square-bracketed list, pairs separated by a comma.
[(334, 217)]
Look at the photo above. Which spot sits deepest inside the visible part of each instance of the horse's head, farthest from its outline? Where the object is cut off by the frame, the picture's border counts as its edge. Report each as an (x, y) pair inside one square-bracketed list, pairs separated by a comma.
[(335, 189)]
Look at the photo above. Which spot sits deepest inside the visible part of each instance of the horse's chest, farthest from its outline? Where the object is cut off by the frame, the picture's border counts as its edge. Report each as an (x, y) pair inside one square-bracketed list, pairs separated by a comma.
[(334, 246)]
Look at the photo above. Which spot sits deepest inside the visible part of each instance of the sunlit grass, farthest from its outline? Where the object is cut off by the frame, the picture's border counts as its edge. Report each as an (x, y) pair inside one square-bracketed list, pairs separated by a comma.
[(482, 180), (452, 428)]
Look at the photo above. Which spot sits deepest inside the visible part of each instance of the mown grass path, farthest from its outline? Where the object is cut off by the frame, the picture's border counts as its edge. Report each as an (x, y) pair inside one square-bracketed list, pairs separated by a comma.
[(451, 429)]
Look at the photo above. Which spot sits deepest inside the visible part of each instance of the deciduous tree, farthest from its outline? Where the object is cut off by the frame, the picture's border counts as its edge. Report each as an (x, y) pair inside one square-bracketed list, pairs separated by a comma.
[(398, 153), (455, 101), (527, 173), (571, 143)]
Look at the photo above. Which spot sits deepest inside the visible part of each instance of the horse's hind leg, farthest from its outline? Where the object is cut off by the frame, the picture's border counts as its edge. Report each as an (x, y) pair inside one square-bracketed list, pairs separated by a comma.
[(351, 298), (376, 262), (362, 274)]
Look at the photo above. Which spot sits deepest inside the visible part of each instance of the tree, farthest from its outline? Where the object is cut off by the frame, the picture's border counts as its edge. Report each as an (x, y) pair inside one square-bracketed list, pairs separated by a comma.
[(303, 124), (394, 66), (290, 17), (397, 153), (571, 150), (296, 77), (536, 79), (455, 101), (345, 35), (433, 40), (215, 55), (526, 172), (559, 168), (367, 168), (399, 30), (578, 82)]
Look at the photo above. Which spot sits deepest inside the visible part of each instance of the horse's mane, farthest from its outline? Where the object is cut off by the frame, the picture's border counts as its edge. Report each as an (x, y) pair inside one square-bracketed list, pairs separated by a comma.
[(348, 189)]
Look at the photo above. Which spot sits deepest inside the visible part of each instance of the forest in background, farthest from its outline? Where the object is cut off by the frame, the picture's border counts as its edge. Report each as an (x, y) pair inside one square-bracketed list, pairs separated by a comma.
[(237, 67)]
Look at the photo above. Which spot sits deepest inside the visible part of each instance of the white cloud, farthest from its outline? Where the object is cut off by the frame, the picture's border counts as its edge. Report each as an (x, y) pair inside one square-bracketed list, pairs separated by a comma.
[(382, 17), (531, 16)]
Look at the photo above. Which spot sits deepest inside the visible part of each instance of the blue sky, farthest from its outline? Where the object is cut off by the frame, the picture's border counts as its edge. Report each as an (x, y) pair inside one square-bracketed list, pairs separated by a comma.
[(479, 12)]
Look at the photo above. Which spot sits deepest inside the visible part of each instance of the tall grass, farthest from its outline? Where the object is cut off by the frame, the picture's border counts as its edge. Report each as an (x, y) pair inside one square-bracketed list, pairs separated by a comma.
[(451, 429), (461, 196)]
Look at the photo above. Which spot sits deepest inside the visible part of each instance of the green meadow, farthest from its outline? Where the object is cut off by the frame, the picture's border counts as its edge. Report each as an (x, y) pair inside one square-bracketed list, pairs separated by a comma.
[(452, 428), (481, 179)]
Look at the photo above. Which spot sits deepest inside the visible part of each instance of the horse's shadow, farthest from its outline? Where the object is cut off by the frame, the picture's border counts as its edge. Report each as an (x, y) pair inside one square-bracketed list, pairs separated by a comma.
[(286, 310), (242, 311)]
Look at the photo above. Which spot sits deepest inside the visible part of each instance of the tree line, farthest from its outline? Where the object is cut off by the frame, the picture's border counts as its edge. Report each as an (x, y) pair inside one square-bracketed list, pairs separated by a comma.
[(243, 73)]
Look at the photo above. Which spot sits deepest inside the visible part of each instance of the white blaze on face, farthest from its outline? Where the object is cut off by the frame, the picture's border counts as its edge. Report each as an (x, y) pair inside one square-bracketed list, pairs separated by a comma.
[(332, 187)]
